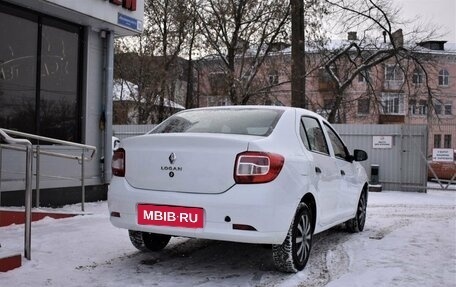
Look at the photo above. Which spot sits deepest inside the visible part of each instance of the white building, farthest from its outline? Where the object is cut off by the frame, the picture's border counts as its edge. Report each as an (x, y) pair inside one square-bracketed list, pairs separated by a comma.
[(56, 75)]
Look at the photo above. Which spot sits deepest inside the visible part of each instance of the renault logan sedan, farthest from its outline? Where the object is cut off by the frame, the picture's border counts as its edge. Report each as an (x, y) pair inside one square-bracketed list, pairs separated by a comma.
[(255, 174)]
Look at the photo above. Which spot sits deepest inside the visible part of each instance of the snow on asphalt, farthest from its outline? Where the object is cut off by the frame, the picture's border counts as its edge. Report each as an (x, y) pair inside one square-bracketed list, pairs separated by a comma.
[(409, 240)]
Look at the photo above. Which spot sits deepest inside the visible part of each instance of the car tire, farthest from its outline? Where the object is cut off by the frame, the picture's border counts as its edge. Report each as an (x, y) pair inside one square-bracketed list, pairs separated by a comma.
[(145, 241), (356, 224), (291, 256)]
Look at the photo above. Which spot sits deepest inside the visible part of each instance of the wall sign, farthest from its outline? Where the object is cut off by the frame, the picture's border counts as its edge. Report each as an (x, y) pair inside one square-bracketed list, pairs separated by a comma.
[(129, 22), (443, 154), (382, 142)]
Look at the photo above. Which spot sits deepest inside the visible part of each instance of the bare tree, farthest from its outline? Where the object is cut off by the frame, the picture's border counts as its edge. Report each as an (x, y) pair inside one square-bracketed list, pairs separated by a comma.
[(381, 42), (153, 61), (240, 34)]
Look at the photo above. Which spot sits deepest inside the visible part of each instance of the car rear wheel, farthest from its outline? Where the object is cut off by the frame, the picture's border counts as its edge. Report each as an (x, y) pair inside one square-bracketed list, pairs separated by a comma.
[(356, 224), (145, 241), (292, 255)]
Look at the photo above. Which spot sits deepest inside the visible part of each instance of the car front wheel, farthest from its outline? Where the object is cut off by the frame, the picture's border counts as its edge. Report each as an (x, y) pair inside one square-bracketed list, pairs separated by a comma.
[(145, 241), (292, 255)]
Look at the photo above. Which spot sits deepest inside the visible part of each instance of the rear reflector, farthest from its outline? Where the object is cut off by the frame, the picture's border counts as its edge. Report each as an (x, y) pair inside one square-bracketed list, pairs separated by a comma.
[(257, 167), (244, 227)]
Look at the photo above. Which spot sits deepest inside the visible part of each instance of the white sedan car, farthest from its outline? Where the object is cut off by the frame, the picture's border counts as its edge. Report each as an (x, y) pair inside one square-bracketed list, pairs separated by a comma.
[(255, 174)]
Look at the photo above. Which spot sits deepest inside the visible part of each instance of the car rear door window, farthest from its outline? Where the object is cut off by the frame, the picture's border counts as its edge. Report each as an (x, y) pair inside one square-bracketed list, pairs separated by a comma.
[(314, 137)]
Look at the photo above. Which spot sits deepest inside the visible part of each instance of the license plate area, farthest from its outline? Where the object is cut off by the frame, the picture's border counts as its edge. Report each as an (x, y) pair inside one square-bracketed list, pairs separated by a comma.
[(174, 216)]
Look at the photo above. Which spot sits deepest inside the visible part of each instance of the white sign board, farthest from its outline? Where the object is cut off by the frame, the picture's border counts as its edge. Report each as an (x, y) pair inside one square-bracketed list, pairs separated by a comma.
[(443, 154), (382, 142)]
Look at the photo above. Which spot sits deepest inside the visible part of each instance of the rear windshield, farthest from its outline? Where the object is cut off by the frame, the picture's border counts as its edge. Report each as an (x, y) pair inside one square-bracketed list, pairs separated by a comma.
[(258, 122)]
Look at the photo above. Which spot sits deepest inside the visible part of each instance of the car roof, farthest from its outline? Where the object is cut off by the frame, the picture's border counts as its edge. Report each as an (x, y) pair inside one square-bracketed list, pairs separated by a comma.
[(282, 108)]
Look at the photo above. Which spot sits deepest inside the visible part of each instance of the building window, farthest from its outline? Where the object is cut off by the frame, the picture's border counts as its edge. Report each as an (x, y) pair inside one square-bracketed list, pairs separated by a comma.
[(273, 78), (448, 110), (363, 106), (438, 109), (437, 141), (40, 95), (218, 101), (364, 76), (418, 108), (447, 141), (217, 82), (443, 109), (393, 73), (418, 76), (393, 104), (444, 77)]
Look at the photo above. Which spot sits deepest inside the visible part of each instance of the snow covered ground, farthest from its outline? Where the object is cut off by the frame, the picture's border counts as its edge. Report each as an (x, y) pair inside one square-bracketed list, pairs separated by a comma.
[(409, 240)]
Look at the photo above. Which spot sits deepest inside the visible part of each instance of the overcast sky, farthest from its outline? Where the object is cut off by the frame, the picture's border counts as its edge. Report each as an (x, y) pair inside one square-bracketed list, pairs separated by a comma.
[(439, 12)]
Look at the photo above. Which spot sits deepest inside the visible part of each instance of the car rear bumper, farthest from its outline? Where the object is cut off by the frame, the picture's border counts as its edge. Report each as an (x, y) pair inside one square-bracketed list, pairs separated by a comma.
[(268, 208)]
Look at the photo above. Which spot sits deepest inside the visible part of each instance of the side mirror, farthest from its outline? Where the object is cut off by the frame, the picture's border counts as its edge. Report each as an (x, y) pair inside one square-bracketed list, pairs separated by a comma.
[(359, 155)]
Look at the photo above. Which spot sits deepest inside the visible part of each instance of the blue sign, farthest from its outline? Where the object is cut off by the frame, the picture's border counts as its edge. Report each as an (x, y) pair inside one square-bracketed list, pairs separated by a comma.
[(128, 21)]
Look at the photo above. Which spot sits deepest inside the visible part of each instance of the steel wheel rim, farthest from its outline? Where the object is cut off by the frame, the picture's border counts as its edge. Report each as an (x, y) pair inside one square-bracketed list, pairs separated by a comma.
[(303, 238)]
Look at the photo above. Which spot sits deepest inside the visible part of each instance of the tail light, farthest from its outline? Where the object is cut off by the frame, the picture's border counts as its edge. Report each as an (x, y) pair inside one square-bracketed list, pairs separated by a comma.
[(118, 162), (257, 167)]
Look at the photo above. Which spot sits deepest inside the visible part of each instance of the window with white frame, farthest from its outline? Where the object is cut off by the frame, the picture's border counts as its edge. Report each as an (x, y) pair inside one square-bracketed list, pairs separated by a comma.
[(393, 73), (364, 76), (438, 109), (447, 141), (418, 76), (418, 108), (217, 81), (223, 101), (218, 101), (437, 141), (444, 77), (443, 109), (393, 103), (273, 77), (363, 106), (448, 109)]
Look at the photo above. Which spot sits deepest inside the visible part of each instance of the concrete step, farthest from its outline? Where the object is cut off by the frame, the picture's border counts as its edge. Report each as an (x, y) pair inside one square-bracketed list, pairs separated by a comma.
[(10, 216), (9, 260)]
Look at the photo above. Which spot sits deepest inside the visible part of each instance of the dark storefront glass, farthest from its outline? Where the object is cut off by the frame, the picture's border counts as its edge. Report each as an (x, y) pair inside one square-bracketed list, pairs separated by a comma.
[(39, 75), (17, 73), (59, 86)]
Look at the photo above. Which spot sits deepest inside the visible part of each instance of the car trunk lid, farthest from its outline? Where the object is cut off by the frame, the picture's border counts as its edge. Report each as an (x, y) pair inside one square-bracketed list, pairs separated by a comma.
[(191, 163)]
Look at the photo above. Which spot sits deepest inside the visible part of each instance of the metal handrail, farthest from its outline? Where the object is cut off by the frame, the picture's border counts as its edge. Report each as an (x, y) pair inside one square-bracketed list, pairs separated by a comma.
[(38, 151), (28, 189), (5, 134), (55, 154), (50, 140)]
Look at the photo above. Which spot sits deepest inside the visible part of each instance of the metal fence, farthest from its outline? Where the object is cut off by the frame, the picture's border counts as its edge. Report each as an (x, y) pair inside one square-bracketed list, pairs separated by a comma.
[(401, 157), (125, 131), (399, 151)]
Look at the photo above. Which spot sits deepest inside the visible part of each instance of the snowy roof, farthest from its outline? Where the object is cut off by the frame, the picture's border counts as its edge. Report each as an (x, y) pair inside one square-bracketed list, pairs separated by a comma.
[(124, 90)]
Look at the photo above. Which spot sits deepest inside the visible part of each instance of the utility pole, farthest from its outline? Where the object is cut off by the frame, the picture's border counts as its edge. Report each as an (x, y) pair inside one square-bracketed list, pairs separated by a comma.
[(298, 69)]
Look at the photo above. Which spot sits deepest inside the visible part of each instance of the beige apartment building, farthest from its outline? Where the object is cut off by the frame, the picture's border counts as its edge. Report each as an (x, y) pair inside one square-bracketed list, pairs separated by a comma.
[(385, 94)]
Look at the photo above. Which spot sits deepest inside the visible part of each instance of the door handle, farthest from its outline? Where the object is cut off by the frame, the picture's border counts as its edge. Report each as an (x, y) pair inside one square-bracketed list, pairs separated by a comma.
[(342, 172), (317, 169)]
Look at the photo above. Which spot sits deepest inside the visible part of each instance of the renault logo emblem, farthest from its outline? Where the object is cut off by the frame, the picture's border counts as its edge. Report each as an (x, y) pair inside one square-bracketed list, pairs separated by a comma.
[(172, 158)]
